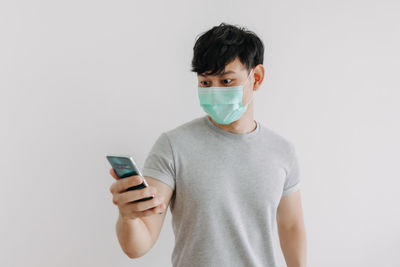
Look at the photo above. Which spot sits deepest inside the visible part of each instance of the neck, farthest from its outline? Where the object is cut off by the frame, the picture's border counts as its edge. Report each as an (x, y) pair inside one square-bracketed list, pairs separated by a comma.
[(245, 124)]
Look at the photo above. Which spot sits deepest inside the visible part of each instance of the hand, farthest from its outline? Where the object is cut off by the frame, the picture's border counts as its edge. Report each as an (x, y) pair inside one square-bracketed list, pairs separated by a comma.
[(123, 199)]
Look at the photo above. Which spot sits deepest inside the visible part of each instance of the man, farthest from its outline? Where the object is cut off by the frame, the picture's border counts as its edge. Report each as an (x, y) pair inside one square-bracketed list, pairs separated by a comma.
[(226, 177)]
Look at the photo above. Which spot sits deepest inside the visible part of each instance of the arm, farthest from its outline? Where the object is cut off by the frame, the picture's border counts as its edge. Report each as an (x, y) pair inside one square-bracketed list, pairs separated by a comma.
[(133, 236), (138, 236), (291, 230)]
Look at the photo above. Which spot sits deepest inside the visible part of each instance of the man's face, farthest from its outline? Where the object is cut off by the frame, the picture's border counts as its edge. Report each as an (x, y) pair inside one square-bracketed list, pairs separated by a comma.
[(234, 74)]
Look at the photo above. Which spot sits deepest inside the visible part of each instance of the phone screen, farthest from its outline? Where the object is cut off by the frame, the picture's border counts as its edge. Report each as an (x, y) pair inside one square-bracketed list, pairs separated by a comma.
[(123, 166)]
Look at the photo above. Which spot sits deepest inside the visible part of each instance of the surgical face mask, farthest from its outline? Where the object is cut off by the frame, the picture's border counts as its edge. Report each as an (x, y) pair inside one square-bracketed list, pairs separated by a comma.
[(223, 104)]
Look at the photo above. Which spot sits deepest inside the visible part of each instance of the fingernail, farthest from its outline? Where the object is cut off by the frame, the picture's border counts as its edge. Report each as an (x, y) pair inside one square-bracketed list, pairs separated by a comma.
[(161, 211)]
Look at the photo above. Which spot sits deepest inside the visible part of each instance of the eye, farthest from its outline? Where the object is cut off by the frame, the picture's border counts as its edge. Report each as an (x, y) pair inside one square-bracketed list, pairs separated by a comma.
[(203, 83), (229, 80)]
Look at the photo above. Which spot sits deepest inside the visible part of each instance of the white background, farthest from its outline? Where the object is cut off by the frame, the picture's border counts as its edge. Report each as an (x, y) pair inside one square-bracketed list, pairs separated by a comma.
[(79, 79)]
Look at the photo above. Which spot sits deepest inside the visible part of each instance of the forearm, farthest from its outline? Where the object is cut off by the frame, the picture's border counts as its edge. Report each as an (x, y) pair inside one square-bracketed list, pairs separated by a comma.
[(133, 236), (293, 245)]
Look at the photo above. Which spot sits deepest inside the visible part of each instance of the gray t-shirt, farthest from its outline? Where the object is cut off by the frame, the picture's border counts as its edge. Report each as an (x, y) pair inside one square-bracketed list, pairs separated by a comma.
[(227, 190)]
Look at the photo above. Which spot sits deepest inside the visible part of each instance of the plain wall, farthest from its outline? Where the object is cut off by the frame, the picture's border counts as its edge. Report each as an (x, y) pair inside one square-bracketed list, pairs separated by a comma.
[(79, 79)]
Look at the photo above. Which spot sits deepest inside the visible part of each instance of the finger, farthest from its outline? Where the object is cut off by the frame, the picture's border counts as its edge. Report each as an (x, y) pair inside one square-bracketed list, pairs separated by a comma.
[(113, 174), (133, 195), (148, 204), (113, 187), (128, 182), (122, 184), (159, 209), (152, 211)]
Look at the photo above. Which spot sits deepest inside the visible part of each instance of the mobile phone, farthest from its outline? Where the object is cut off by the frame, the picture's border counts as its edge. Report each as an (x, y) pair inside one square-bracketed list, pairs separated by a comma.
[(124, 166)]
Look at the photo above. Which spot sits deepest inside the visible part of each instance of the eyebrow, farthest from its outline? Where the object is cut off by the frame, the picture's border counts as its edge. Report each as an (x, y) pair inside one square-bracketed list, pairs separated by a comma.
[(223, 73)]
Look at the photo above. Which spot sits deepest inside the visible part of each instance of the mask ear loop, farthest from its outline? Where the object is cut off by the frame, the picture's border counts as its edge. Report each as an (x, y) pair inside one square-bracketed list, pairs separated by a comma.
[(252, 95)]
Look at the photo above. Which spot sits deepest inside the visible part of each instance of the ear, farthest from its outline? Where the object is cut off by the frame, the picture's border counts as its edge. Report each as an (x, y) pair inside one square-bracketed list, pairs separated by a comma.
[(258, 76)]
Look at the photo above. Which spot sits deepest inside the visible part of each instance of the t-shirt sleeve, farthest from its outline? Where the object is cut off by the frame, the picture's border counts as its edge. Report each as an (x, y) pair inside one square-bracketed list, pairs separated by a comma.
[(159, 163), (292, 181)]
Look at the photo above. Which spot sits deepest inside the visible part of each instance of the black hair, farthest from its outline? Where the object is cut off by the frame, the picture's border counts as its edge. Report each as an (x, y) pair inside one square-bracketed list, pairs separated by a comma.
[(221, 44)]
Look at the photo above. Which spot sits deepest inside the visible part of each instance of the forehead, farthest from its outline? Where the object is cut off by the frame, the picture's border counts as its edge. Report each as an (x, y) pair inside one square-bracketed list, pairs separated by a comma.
[(234, 67)]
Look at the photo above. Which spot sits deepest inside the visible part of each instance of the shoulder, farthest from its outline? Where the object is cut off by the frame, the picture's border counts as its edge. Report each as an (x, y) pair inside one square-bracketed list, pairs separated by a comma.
[(276, 140), (186, 129)]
